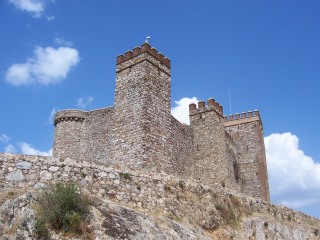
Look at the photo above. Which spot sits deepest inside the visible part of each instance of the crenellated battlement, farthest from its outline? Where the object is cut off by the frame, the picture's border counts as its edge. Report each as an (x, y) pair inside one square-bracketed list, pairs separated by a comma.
[(69, 115), (143, 49), (244, 117), (212, 105)]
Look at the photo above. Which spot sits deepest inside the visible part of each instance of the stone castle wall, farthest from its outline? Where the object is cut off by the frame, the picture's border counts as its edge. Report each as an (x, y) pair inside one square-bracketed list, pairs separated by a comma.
[(214, 155), (233, 166), (247, 133), (99, 135), (140, 133), (182, 149), (84, 135)]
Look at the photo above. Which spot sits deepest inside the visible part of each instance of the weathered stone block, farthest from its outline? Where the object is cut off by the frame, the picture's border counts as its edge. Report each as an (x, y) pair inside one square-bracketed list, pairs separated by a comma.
[(15, 176), (24, 165)]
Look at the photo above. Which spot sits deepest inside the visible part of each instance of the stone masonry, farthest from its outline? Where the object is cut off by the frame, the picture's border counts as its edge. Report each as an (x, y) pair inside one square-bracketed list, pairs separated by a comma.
[(139, 133)]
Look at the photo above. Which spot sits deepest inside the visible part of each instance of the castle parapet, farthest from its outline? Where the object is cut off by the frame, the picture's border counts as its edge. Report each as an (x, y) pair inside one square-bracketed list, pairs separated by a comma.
[(243, 115), (69, 115), (143, 49), (242, 118), (212, 105)]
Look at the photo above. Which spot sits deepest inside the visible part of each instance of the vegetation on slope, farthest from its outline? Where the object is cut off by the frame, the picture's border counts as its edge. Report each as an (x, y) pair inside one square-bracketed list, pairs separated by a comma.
[(62, 207)]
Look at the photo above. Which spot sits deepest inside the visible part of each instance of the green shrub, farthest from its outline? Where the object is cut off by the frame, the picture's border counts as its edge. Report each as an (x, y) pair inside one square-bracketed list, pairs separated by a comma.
[(63, 207), (125, 176), (83, 175), (40, 230)]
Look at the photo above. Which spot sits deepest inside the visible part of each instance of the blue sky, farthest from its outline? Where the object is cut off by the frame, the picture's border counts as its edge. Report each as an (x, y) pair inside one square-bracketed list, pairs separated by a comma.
[(58, 54)]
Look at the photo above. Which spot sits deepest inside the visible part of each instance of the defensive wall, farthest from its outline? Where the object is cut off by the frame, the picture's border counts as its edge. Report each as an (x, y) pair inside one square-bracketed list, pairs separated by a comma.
[(138, 132), (87, 136), (84, 135)]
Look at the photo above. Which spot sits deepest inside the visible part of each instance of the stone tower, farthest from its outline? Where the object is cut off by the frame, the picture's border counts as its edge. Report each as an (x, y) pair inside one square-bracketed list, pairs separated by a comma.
[(247, 133), (211, 161), (142, 111), (69, 136)]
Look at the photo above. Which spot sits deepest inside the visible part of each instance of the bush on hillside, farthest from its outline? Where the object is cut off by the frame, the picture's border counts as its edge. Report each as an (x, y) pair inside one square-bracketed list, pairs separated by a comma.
[(62, 207)]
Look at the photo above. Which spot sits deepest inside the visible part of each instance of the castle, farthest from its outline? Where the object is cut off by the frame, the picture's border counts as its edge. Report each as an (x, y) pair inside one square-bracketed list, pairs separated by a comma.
[(139, 132)]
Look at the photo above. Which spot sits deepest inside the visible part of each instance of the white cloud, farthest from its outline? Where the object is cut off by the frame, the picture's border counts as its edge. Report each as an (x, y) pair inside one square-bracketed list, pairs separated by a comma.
[(294, 177), (181, 110), (25, 148), (62, 42), (48, 65), (50, 18), (4, 138), (84, 103), (34, 7), (51, 117), (10, 149), (30, 150)]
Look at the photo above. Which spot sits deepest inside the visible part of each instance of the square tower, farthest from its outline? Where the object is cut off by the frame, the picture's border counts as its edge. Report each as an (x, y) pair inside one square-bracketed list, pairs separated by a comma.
[(246, 131), (142, 118)]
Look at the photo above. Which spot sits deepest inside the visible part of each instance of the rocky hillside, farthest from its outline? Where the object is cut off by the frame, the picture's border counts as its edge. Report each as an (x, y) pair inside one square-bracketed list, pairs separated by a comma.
[(133, 205), (109, 220)]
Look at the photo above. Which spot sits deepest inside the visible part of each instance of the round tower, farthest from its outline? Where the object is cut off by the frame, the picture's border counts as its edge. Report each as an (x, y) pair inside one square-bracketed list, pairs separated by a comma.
[(69, 135)]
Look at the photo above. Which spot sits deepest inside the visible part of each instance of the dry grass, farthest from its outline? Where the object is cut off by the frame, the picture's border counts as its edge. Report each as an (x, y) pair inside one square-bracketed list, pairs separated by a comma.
[(4, 196)]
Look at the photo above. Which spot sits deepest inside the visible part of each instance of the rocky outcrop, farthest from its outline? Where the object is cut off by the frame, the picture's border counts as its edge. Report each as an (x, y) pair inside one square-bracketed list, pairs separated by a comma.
[(118, 222), (17, 216), (108, 220), (135, 205), (112, 221)]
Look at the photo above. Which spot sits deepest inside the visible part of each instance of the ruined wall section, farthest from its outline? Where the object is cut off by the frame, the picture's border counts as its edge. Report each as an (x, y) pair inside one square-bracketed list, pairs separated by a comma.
[(182, 144), (211, 164), (247, 133), (83, 135), (142, 120)]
